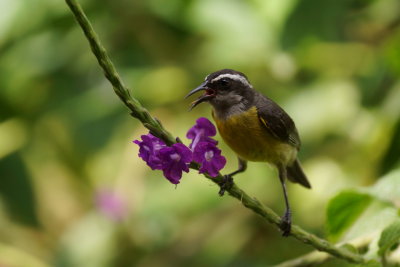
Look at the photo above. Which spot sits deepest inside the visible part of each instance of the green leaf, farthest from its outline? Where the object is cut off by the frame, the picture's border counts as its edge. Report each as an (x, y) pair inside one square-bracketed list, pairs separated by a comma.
[(344, 209), (388, 188), (16, 190), (389, 237), (391, 158)]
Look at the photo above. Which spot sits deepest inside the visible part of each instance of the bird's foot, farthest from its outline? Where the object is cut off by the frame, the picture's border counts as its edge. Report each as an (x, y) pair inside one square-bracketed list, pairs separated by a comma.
[(286, 224), (225, 184)]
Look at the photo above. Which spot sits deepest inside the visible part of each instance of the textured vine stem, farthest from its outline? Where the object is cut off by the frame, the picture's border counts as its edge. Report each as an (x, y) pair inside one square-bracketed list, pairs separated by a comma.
[(317, 257), (137, 110), (155, 127)]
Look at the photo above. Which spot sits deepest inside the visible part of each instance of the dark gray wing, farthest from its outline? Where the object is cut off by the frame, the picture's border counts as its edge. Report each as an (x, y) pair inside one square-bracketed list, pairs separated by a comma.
[(277, 122)]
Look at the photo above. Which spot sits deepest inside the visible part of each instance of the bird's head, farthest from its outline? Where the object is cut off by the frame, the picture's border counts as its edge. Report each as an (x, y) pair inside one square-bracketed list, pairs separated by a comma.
[(223, 88)]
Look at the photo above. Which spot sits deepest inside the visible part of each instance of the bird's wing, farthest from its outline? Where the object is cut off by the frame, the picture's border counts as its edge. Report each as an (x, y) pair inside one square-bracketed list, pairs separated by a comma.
[(277, 122)]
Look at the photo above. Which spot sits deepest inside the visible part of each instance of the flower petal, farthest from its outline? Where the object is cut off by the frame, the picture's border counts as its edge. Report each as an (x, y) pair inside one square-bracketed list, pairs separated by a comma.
[(149, 150), (184, 152), (210, 158), (207, 125), (204, 127), (173, 173), (175, 159)]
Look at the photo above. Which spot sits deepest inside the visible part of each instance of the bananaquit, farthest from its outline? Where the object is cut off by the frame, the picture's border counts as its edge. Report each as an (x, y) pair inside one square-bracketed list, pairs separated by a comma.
[(255, 128)]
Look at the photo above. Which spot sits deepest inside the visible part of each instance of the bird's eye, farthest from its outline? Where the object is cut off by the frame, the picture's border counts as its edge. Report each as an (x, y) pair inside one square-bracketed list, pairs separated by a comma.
[(224, 82)]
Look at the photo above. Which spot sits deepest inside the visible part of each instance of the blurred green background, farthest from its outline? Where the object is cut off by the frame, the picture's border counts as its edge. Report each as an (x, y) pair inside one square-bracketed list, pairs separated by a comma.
[(73, 191)]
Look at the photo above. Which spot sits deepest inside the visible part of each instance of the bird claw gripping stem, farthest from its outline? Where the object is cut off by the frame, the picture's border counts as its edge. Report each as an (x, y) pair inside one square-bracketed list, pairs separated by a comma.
[(286, 224), (225, 184)]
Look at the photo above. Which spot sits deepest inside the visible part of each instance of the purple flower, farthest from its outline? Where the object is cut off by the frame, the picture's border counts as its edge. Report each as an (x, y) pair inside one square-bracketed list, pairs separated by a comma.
[(201, 132), (209, 157), (111, 204), (171, 160), (149, 150), (175, 159)]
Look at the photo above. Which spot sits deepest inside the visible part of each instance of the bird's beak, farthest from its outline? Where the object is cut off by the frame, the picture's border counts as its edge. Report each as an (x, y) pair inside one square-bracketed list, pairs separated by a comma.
[(210, 93)]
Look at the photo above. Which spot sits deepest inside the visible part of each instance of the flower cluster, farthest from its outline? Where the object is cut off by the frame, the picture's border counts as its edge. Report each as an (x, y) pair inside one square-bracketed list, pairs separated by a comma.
[(205, 150), (158, 156), (175, 159)]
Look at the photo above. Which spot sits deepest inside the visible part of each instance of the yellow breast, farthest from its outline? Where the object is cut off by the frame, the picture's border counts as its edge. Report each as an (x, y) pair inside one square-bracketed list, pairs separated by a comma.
[(247, 137)]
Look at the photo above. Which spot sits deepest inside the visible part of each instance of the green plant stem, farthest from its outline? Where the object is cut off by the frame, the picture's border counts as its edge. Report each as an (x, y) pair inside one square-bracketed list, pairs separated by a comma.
[(311, 259), (317, 257), (155, 127)]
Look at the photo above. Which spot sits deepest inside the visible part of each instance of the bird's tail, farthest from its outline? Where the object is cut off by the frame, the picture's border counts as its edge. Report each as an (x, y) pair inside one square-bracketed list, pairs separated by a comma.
[(296, 174)]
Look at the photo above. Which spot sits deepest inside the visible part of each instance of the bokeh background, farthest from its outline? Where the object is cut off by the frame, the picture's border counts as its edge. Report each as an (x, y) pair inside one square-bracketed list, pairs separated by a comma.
[(73, 191)]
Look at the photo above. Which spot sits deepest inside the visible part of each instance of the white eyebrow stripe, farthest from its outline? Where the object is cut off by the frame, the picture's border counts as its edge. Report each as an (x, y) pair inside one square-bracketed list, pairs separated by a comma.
[(235, 77)]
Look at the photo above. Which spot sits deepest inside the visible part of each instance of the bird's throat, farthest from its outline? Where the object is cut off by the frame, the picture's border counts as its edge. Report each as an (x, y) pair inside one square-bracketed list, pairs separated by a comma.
[(225, 112)]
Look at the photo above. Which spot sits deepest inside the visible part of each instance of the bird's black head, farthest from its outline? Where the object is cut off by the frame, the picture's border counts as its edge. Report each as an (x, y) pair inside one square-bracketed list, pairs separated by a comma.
[(223, 88)]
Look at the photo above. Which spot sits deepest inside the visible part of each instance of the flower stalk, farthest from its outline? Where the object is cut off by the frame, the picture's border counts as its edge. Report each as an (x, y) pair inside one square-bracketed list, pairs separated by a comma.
[(156, 129)]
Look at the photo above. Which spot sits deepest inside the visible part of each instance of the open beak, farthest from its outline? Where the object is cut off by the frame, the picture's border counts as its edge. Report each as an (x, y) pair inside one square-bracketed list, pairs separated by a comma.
[(210, 93)]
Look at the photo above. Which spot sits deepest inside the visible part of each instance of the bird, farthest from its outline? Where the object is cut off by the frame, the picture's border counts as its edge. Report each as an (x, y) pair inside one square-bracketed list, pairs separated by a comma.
[(256, 128)]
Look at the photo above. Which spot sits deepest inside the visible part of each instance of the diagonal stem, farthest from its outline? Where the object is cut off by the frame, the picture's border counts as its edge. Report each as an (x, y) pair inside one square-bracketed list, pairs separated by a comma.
[(137, 110), (315, 258), (155, 127)]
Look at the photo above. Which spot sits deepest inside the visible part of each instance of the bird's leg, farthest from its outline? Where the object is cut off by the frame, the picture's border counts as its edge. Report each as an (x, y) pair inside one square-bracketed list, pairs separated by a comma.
[(286, 222), (227, 182)]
